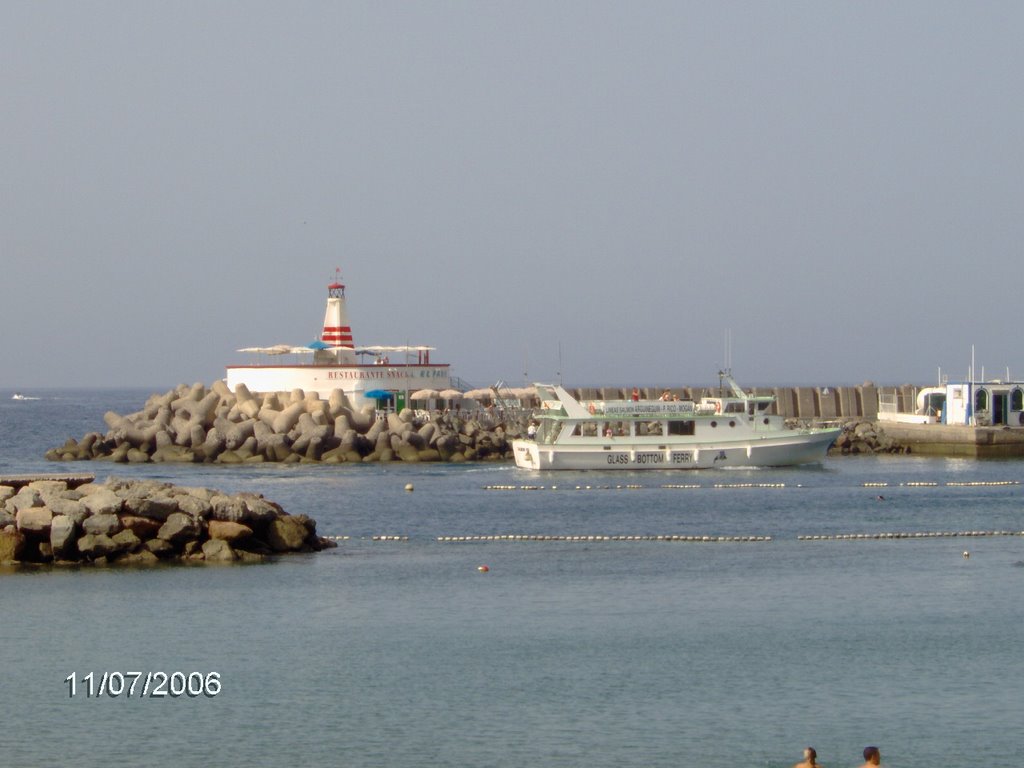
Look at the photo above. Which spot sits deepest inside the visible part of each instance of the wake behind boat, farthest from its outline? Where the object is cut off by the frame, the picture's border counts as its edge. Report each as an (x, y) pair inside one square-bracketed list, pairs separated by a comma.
[(731, 431)]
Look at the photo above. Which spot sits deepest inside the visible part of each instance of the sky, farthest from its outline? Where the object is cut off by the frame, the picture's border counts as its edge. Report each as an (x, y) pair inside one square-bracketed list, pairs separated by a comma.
[(603, 193)]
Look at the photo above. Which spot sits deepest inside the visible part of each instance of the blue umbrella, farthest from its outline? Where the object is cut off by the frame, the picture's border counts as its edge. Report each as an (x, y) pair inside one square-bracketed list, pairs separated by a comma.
[(377, 394), (318, 345)]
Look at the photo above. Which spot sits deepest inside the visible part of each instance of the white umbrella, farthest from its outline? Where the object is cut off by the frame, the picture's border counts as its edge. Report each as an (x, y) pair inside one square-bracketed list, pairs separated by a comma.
[(451, 394), (424, 394)]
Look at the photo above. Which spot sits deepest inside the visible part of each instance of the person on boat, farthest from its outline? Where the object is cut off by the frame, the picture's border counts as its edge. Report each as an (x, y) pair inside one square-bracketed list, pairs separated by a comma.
[(608, 432), (872, 757), (636, 394), (531, 431), (810, 759), (666, 396)]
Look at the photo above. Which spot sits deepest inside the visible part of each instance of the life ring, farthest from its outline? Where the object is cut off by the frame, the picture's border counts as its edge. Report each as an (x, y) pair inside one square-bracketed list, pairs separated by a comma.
[(592, 409), (718, 407)]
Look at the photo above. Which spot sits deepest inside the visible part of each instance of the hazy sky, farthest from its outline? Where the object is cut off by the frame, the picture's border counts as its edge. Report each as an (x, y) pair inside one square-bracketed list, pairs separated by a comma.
[(839, 186)]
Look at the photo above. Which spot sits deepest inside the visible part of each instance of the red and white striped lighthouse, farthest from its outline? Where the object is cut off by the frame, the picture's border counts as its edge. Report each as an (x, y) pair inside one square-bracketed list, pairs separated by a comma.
[(337, 332)]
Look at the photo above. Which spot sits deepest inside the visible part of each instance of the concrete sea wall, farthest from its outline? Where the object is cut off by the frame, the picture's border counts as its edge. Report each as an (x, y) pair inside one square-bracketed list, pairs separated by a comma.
[(843, 403)]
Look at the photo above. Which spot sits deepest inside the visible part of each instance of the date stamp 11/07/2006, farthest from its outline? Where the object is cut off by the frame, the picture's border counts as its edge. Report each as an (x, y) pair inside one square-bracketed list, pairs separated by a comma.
[(151, 685)]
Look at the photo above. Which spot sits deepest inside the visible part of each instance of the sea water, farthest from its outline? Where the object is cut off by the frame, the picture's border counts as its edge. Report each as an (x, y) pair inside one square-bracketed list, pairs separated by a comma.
[(592, 644)]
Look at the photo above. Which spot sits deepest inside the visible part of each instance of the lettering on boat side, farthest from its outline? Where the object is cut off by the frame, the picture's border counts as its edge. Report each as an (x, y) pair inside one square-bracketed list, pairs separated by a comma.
[(676, 457), (648, 409), (650, 458)]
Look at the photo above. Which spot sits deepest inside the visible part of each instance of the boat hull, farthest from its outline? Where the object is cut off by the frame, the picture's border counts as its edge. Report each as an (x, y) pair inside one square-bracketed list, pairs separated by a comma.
[(775, 451)]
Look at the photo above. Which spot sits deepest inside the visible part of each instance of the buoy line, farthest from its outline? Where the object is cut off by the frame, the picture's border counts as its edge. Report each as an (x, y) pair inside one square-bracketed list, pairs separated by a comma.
[(749, 485), (949, 484), (598, 537), (972, 483), (903, 535), (632, 487), (629, 487)]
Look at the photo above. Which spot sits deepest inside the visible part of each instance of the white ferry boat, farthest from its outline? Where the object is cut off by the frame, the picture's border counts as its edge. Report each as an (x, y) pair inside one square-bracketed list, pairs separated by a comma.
[(731, 431), (370, 374)]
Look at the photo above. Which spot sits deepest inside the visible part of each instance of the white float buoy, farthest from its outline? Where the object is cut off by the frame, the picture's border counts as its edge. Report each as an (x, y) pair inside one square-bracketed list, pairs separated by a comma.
[(408, 486)]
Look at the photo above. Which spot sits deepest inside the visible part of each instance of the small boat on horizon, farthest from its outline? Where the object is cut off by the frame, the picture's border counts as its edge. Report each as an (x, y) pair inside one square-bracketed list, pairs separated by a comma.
[(724, 431), (19, 396)]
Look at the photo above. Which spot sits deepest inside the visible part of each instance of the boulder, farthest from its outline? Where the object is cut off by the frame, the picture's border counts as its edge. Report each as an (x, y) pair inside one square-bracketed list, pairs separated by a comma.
[(26, 498), (228, 531), (196, 506), (103, 524), (218, 551), (12, 543), (71, 507), (160, 548), (143, 527), (286, 534), (93, 546), (127, 540), (102, 501), (35, 520), (178, 528), (159, 506), (141, 557), (227, 508), (63, 533), (259, 509)]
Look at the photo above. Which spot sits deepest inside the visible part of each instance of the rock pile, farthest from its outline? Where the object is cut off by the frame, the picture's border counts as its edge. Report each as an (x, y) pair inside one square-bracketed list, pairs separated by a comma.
[(200, 424), (865, 437), (142, 522)]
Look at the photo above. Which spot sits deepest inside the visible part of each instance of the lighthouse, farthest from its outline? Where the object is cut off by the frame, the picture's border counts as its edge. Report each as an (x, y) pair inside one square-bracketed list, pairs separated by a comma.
[(337, 332), (336, 364)]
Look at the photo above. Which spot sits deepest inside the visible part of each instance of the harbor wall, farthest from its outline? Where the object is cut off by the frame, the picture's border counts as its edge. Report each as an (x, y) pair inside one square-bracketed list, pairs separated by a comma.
[(805, 403)]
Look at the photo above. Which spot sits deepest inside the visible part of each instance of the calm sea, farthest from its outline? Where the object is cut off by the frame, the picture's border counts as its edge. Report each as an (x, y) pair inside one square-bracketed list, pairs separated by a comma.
[(565, 653)]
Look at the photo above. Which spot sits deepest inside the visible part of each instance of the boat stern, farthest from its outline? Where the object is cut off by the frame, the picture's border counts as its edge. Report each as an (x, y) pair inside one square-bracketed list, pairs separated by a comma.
[(526, 453)]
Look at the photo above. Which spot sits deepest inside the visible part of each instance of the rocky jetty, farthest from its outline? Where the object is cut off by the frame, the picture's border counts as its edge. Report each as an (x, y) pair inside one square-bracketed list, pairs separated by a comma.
[(213, 424), (142, 522), (865, 437)]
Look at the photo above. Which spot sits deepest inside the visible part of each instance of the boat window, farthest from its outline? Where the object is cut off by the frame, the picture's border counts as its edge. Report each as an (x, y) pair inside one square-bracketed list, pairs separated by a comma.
[(682, 427), (1017, 400), (585, 429), (649, 428), (548, 431), (615, 429), (734, 407)]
